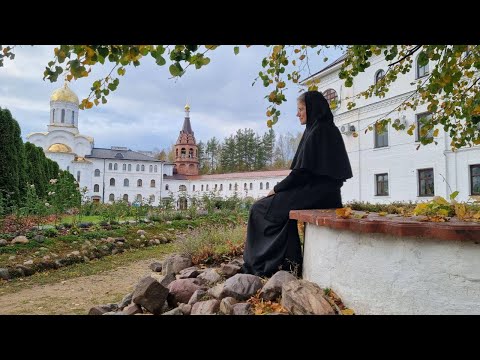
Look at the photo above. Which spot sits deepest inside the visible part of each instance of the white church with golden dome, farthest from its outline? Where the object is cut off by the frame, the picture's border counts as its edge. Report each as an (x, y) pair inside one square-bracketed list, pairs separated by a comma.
[(119, 173)]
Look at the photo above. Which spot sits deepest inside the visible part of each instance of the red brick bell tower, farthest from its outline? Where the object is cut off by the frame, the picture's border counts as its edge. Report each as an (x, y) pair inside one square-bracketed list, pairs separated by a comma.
[(186, 151)]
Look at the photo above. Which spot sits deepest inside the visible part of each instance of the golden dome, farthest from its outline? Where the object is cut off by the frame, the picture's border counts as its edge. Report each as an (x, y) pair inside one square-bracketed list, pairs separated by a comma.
[(60, 148), (187, 107), (64, 94)]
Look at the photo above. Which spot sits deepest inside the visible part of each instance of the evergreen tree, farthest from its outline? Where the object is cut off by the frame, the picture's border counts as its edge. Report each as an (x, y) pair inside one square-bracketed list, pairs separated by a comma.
[(9, 159)]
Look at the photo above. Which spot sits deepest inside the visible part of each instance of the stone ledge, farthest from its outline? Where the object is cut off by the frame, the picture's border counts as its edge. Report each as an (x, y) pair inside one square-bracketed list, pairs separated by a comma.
[(392, 225)]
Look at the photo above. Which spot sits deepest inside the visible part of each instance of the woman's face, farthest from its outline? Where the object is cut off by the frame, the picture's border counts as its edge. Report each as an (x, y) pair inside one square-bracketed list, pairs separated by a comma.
[(302, 112)]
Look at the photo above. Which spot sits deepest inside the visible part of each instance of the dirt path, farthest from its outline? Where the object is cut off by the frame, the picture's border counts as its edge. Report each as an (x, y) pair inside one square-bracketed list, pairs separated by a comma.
[(78, 295)]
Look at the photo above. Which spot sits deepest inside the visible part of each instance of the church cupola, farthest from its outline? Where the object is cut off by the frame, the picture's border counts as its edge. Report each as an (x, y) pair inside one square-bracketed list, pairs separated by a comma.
[(64, 110), (186, 150)]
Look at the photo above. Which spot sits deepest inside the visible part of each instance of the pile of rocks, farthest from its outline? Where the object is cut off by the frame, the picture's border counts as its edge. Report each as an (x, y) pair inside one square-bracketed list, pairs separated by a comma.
[(175, 287)]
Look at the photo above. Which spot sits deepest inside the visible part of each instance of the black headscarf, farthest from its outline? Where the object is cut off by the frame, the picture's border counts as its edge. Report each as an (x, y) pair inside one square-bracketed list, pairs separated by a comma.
[(321, 149)]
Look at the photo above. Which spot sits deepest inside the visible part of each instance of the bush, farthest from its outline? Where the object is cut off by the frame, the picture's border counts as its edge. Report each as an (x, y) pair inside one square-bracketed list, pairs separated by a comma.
[(50, 232)]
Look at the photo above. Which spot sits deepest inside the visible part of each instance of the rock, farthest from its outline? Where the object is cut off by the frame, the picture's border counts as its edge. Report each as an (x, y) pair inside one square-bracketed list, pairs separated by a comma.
[(175, 311), (209, 307), (133, 309), (20, 240), (210, 276), (127, 300), (150, 294), (301, 297), (141, 232), (228, 270), (3, 242), (197, 296), (28, 262), (185, 308), (226, 305), (102, 309), (242, 286), (181, 291), (4, 274), (174, 264), (191, 272), (273, 288), (39, 238), (242, 309)]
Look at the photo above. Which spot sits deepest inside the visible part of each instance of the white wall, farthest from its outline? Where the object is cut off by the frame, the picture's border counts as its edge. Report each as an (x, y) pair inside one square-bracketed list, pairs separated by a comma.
[(383, 274)]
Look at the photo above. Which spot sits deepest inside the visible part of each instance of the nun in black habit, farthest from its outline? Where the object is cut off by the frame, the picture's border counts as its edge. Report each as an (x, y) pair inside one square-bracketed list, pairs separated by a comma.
[(319, 169)]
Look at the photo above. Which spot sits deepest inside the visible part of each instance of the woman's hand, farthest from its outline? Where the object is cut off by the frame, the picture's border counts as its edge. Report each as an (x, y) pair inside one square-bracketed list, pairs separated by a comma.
[(271, 193)]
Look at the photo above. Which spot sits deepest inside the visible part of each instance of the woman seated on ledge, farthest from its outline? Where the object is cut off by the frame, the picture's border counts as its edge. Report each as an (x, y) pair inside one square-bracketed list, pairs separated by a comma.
[(319, 169)]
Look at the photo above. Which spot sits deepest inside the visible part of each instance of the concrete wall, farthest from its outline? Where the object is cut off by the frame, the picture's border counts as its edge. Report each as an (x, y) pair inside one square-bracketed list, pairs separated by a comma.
[(382, 274)]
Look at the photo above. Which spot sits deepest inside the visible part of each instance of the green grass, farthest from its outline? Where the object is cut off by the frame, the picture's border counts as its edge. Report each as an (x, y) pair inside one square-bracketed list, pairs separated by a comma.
[(85, 269)]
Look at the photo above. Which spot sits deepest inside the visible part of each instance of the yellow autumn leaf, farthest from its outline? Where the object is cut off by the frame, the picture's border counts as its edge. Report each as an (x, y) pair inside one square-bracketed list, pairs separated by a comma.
[(343, 212), (382, 213), (420, 209), (435, 133), (347, 312)]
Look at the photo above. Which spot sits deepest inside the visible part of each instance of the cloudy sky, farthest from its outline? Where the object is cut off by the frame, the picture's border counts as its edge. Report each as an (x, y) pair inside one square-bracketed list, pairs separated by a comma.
[(147, 109)]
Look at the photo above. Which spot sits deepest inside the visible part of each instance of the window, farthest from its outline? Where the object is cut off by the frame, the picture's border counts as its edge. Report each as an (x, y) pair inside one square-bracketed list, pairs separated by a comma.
[(112, 182), (143, 167), (139, 183), (475, 179), (151, 200), (267, 186), (53, 115), (381, 136), (193, 187), (331, 97), (176, 153), (251, 186), (150, 168), (184, 152), (97, 173), (152, 183), (425, 182), (118, 156), (115, 166), (63, 116), (166, 186), (230, 187), (379, 75), (111, 197), (206, 187), (68, 168), (245, 186), (110, 166), (138, 198), (381, 184), (421, 70), (126, 183), (73, 118), (215, 187), (155, 168), (421, 118), (236, 186), (124, 167), (78, 176), (190, 153), (125, 197), (221, 187), (138, 167), (129, 167), (96, 188), (261, 186), (202, 187), (182, 188)]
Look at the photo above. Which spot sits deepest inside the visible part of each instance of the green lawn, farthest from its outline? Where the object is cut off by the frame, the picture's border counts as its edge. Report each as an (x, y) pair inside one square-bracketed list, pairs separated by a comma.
[(92, 218)]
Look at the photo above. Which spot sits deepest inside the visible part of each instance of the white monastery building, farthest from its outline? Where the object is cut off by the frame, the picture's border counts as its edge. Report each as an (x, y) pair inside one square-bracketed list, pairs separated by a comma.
[(387, 167), (119, 173)]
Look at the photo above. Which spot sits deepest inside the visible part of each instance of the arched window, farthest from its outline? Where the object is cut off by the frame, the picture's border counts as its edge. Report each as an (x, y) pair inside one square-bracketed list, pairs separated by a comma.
[(202, 187), (267, 185), (126, 182), (193, 187), (139, 198), (97, 173), (261, 186), (182, 188), (152, 183), (251, 186), (125, 197), (129, 167), (236, 186), (110, 166), (183, 152), (230, 187), (111, 197), (53, 115), (112, 182), (166, 186), (331, 97), (124, 167), (152, 199), (421, 70), (379, 75), (155, 168), (63, 116), (221, 187), (115, 166), (207, 187), (139, 183), (73, 118), (150, 168), (215, 187), (78, 176), (245, 186), (143, 167), (96, 188), (176, 153), (190, 153), (138, 167)]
